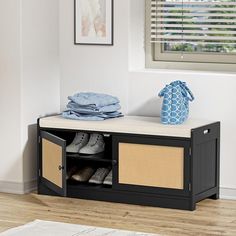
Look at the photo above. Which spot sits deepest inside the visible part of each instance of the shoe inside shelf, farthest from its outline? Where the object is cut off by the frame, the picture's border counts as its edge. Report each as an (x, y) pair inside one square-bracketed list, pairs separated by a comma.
[(99, 160), (80, 163)]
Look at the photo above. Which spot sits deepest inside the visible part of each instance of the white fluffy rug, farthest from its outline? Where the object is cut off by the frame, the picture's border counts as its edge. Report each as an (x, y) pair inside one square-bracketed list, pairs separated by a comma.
[(46, 228)]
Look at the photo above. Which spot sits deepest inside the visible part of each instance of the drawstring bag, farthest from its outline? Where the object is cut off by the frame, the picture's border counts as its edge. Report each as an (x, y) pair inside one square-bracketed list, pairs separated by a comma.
[(175, 107)]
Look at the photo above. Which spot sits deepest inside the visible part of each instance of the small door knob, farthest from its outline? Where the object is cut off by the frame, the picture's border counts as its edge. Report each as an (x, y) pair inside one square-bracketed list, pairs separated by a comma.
[(60, 167), (114, 162)]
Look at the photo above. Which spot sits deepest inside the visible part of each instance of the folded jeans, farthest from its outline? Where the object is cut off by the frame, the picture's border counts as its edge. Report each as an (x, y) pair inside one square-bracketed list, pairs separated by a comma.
[(94, 99), (93, 110), (69, 114)]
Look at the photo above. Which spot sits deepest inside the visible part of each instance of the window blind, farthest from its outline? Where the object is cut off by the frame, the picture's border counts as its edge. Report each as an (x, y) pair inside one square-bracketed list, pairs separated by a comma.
[(193, 21)]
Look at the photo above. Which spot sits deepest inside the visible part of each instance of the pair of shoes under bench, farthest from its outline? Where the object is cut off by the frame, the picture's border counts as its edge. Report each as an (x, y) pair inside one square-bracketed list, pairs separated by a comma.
[(99, 176), (85, 144)]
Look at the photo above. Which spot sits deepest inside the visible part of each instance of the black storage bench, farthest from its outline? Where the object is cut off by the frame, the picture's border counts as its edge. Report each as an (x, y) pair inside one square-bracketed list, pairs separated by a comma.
[(152, 164)]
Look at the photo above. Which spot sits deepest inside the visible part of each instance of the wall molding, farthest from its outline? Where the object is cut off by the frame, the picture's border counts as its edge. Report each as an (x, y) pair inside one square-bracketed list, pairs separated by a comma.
[(18, 188), (228, 193)]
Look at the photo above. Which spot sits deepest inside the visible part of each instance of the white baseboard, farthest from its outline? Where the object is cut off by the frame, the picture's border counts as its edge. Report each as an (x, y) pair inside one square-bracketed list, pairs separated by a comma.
[(30, 186), (228, 193), (18, 188)]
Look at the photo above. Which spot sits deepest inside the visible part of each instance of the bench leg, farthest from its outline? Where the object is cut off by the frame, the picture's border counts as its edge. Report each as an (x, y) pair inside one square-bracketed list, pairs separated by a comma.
[(215, 196), (192, 205)]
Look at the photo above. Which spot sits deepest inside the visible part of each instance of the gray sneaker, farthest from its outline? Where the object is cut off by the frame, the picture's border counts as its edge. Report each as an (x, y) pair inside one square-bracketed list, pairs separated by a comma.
[(95, 145), (99, 176), (108, 179), (80, 140)]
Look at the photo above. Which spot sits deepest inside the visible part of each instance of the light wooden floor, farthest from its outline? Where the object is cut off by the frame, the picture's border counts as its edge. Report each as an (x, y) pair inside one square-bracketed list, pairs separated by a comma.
[(210, 218)]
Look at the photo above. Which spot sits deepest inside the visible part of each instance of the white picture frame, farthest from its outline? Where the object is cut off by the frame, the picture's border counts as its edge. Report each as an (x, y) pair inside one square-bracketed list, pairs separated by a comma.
[(93, 22)]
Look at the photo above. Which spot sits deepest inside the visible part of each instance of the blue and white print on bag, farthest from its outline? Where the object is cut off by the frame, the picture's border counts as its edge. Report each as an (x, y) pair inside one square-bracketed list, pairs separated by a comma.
[(175, 107)]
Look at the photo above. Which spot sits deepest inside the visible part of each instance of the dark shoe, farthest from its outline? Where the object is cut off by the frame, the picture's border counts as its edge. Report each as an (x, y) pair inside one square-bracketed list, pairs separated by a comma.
[(83, 175)]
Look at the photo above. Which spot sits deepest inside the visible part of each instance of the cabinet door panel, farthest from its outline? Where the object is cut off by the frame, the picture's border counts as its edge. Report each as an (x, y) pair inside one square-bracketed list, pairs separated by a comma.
[(151, 165), (53, 162)]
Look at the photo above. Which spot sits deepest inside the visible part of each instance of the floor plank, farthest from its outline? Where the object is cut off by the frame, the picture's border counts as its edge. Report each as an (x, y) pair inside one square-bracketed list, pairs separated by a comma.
[(210, 218)]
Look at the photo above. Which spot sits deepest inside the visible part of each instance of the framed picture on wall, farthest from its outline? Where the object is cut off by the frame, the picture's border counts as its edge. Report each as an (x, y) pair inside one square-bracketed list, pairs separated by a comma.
[(93, 22)]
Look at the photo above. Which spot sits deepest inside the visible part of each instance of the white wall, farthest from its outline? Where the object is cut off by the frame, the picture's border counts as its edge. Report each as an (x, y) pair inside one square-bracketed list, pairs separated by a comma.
[(29, 84), (115, 70), (10, 105), (40, 73)]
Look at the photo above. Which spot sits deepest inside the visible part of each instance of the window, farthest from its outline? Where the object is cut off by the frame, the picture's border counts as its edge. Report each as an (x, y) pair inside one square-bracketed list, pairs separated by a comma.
[(191, 31)]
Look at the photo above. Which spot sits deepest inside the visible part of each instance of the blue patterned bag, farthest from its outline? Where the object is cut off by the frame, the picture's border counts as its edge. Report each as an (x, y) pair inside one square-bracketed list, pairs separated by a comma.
[(175, 107)]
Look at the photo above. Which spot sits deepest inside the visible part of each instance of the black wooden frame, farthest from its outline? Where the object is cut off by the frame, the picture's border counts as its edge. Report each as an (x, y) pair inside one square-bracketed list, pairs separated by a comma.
[(151, 141), (160, 197), (204, 135)]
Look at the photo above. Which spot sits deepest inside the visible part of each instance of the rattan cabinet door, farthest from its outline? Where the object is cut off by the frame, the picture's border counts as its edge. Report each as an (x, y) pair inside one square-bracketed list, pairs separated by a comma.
[(53, 162), (151, 165)]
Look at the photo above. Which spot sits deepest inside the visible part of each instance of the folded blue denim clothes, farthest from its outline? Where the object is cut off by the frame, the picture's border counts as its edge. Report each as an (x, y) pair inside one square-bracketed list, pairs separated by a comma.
[(102, 114), (94, 110), (73, 116), (94, 99), (108, 115), (77, 116), (92, 106)]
